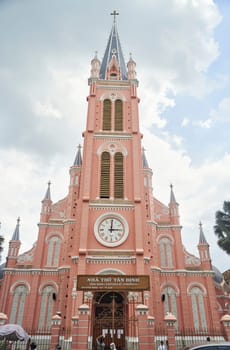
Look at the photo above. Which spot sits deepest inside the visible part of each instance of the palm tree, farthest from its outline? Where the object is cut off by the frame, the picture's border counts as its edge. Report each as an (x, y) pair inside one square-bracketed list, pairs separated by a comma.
[(222, 227)]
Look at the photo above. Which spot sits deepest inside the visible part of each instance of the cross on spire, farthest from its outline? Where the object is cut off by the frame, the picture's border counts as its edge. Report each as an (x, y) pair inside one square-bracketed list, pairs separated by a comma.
[(114, 14)]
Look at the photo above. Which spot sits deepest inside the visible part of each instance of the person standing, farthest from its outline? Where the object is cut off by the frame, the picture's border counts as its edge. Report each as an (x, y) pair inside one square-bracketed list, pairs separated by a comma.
[(100, 342), (161, 346)]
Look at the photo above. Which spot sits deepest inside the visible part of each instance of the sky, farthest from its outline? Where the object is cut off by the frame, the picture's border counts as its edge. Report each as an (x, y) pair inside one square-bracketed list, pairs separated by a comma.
[(181, 48)]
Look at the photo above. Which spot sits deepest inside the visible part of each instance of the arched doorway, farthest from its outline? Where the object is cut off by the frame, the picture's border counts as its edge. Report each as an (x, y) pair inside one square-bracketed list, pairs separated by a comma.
[(109, 318)]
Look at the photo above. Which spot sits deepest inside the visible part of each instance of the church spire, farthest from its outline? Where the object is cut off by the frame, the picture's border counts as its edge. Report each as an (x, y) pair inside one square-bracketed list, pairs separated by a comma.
[(173, 208), (202, 239), (144, 159), (172, 196), (47, 195), (78, 160), (204, 253), (113, 53), (15, 236), (14, 246)]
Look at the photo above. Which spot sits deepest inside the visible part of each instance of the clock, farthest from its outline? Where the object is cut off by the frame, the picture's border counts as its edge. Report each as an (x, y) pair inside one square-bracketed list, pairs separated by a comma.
[(111, 230)]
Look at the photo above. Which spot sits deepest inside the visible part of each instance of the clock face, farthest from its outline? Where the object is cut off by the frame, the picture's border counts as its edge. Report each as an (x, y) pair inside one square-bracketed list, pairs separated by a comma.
[(111, 230)]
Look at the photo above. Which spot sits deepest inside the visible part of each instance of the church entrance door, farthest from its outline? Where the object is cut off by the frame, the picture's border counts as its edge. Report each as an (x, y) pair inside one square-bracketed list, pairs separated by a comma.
[(109, 319)]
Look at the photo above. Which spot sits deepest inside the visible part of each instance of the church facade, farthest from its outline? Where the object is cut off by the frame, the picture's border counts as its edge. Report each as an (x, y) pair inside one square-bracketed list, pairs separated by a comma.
[(110, 244)]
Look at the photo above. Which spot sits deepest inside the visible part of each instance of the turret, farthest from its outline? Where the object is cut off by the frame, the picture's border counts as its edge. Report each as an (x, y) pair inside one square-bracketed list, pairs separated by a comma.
[(173, 208), (14, 246), (74, 186), (95, 67), (46, 205), (149, 202), (204, 253), (131, 65)]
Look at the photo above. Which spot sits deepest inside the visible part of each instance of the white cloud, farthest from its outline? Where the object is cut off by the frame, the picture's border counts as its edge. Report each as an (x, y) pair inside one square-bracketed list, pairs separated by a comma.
[(185, 122), (200, 191), (219, 115), (222, 113), (47, 110), (206, 124)]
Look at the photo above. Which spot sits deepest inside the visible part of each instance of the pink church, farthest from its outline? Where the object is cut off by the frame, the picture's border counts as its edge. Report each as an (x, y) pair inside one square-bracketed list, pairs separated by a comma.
[(109, 257)]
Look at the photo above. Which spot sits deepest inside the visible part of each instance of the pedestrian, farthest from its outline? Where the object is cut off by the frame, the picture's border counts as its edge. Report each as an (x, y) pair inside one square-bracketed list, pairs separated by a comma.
[(161, 346), (100, 340), (112, 346), (33, 346)]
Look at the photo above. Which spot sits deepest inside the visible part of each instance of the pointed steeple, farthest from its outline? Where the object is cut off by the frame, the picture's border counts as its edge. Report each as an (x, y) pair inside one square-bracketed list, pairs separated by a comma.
[(78, 159), (173, 208), (131, 65), (15, 236), (202, 239), (47, 195), (14, 246), (113, 53), (144, 159), (172, 196), (204, 253), (95, 67)]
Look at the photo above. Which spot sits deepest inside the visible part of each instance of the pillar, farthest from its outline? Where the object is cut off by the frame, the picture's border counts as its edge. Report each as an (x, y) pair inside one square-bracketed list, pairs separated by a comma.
[(81, 328), (55, 332), (75, 323), (225, 320), (170, 321), (145, 328)]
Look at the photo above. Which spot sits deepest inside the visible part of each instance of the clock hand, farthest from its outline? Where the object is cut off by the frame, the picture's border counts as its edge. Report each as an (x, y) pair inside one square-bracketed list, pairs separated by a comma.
[(111, 226)]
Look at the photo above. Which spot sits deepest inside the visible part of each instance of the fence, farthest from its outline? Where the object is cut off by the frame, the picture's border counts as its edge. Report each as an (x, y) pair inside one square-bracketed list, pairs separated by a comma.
[(184, 338), (187, 337)]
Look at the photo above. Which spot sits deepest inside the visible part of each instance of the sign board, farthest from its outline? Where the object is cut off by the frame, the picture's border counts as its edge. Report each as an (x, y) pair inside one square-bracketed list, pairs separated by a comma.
[(113, 282)]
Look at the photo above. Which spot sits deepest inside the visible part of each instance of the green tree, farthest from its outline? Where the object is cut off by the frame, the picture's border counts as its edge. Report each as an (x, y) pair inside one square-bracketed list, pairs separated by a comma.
[(222, 227)]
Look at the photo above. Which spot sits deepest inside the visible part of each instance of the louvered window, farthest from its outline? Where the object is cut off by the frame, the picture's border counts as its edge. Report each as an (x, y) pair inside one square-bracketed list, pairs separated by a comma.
[(107, 115), (118, 115), (105, 175), (118, 176)]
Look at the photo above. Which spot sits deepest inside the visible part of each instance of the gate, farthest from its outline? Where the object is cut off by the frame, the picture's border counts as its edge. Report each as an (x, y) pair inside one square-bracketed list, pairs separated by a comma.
[(110, 312)]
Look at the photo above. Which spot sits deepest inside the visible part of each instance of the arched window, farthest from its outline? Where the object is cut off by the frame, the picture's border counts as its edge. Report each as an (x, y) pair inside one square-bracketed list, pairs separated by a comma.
[(118, 115), (170, 302), (198, 309), (18, 304), (166, 252), (106, 115), (46, 308), (53, 252), (105, 175), (118, 176)]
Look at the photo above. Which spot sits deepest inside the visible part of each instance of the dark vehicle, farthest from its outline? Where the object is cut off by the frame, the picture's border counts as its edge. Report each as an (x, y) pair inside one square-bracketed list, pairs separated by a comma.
[(211, 346)]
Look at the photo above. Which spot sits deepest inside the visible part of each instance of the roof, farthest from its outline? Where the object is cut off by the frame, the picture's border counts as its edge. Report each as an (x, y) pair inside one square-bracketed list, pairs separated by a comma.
[(113, 48), (78, 160), (15, 236), (202, 239), (47, 195)]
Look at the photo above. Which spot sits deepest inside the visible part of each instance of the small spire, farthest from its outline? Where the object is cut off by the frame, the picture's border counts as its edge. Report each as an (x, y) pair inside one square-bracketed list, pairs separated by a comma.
[(15, 236), (78, 160), (47, 195), (144, 159), (172, 196), (202, 239)]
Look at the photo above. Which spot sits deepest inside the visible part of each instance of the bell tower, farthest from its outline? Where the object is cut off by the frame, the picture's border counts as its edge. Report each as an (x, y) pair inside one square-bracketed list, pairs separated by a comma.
[(111, 204)]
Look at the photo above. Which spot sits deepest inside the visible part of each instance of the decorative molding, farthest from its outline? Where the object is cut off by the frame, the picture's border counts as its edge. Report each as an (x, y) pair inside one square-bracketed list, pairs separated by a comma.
[(111, 260)]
